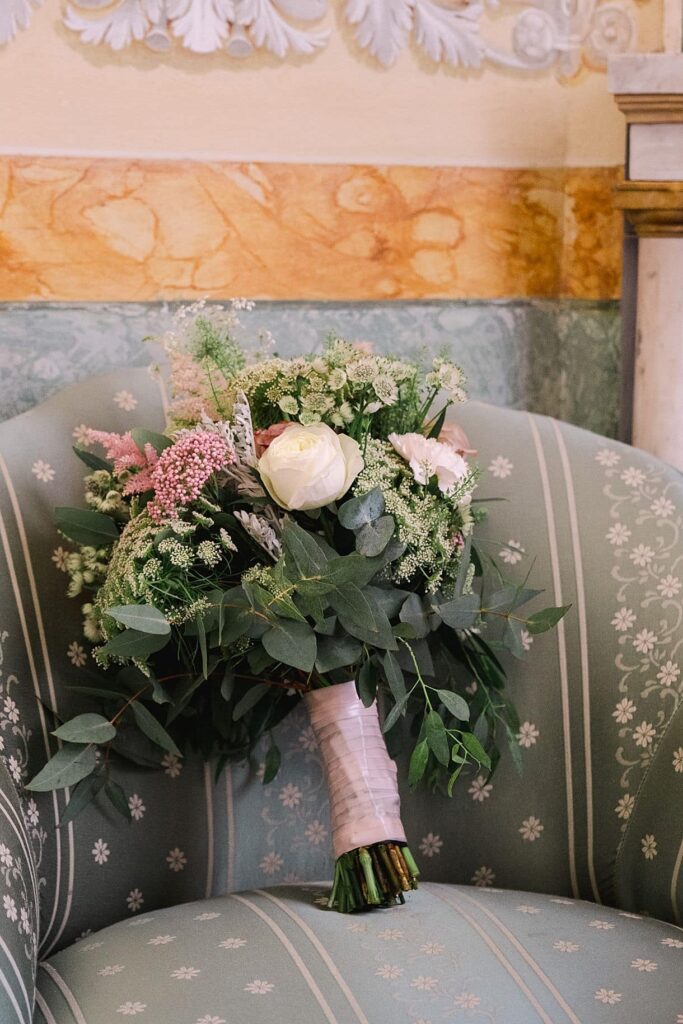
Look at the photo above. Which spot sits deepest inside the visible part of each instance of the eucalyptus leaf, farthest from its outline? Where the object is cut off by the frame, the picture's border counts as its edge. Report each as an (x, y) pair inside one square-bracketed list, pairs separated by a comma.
[(83, 794), (88, 728), (133, 644), (272, 764), (292, 643), (69, 765), (118, 799), (152, 728), (418, 763), (474, 747), (336, 652), (249, 700), (357, 512), (366, 683), (460, 613), (437, 737), (394, 675), (85, 526), (541, 622), (395, 713), (372, 539), (454, 703), (413, 613), (143, 617)]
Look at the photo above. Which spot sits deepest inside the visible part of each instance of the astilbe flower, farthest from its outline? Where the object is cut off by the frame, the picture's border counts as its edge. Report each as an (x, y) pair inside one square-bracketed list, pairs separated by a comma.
[(183, 470), (128, 457)]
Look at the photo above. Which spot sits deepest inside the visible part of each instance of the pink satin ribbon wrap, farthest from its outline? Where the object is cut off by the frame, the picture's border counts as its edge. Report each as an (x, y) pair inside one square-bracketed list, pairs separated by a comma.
[(361, 777)]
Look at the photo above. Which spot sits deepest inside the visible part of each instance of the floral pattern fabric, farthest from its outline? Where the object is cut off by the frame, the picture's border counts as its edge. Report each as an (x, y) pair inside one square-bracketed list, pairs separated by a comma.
[(600, 735), (452, 954)]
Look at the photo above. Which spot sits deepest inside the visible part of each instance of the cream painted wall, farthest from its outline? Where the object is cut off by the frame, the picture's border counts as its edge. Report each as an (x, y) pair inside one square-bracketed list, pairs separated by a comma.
[(58, 96)]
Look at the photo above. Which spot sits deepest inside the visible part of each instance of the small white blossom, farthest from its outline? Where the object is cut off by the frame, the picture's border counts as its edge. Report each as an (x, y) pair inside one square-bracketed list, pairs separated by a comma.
[(668, 673), (290, 795), (172, 765), (424, 983), (565, 947), (130, 1009), (677, 761), (207, 915), (645, 641), (467, 1001), (59, 556), (648, 845), (161, 940), (111, 969), (81, 435), (633, 477), (663, 508), (10, 907), (76, 654), (672, 943), (642, 555), (232, 943), (526, 909), (602, 926)]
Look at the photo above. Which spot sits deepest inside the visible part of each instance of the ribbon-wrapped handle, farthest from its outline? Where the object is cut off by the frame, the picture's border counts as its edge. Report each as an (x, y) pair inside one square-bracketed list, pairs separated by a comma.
[(361, 777)]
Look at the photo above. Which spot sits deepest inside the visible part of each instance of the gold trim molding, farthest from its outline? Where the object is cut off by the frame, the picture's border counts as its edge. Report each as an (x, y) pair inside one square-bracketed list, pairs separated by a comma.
[(654, 208), (651, 108), (139, 230)]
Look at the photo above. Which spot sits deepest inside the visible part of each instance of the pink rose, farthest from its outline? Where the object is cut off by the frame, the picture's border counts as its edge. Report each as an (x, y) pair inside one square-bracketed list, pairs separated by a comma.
[(455, 437), (264, 438)]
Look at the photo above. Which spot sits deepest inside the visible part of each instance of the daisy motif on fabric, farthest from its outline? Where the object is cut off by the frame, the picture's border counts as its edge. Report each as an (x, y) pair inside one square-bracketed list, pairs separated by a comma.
[(131, 1009), (125, 400), (390, 972), (531, 829), (608, 996), (134, 900), (136, 807), (185, 973), (500, 467), (271, 863), (512, 553), (527, 735), (176, 860), (232, 943), (258, 987), (172, 765), (623, 620), (480, 789), (101, 851), (483, 877), (430, 845), (467, 1001), (43, 471), (607, 457)]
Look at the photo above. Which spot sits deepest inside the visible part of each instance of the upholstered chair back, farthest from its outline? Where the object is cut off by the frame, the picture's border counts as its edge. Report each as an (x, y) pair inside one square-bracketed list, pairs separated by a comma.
[(596, 810)]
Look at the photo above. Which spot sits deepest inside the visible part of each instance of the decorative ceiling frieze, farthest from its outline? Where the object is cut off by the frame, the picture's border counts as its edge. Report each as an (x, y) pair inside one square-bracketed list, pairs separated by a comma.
[(561, 35)]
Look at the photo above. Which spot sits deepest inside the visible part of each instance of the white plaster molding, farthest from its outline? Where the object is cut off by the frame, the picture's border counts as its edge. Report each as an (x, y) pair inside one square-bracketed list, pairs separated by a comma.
[(14, 15), (544, 34)]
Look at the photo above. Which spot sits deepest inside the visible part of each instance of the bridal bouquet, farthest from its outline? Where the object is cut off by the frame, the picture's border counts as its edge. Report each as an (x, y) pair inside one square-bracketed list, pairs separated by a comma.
[(304, 529)]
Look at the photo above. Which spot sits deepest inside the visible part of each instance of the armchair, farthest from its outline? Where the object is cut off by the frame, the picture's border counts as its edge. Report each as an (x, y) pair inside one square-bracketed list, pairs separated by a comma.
[(548, 897)]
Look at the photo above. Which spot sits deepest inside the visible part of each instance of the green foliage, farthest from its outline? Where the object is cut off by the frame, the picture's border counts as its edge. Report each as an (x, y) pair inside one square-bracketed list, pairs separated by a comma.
[(84, 526)]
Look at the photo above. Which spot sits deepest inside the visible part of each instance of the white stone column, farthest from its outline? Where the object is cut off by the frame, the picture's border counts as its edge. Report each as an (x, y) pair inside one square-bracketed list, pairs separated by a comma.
[(649, 90), (658, 384)]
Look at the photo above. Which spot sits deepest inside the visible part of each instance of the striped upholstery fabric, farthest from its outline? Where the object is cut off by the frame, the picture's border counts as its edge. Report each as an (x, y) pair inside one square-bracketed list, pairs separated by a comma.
[(454, 953), (594, 815)]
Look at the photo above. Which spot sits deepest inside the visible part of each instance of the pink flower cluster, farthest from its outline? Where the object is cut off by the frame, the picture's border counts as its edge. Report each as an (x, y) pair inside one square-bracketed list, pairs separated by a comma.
[(183, 469), (127, 458)]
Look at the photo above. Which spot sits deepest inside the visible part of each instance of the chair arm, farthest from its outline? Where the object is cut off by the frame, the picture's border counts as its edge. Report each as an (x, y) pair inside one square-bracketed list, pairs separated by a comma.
[(18, 908)]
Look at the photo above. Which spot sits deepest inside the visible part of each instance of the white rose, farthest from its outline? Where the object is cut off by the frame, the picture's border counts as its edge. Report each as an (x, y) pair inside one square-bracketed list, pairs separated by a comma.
[(428, 457), (308, 467)]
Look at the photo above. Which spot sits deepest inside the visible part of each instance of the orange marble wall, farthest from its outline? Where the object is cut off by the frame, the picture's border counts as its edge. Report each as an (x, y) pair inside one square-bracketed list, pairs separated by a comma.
[(110, 229)]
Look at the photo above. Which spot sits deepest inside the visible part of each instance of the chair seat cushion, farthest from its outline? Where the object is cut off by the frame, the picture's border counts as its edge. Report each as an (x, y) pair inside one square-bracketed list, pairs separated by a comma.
[(452, 953)]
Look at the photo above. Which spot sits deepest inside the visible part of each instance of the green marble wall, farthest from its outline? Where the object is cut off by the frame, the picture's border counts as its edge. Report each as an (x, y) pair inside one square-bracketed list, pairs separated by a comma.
[(555, 357)]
